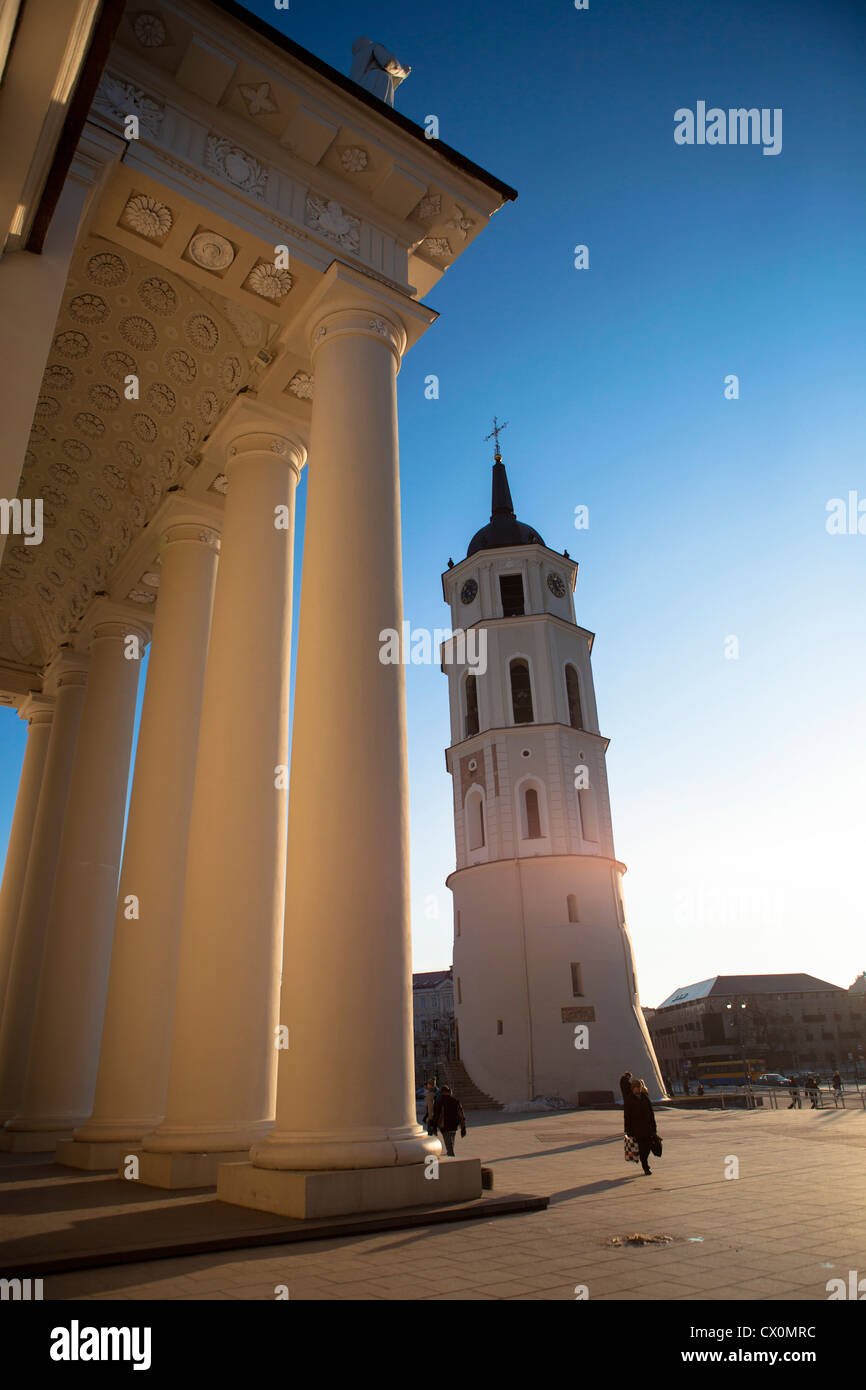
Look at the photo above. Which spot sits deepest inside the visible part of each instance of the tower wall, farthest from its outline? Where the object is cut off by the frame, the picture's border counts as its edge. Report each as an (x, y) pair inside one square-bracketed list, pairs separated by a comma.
[(541, 944), (513, 961)]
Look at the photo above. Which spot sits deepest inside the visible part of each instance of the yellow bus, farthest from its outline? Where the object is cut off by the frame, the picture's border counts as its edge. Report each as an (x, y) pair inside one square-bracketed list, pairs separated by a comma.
[(730, 1073)]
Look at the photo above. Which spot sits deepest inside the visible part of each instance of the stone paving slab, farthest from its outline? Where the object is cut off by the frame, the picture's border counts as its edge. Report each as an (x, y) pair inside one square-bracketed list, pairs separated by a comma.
[(54, 1219), (793, 1218)]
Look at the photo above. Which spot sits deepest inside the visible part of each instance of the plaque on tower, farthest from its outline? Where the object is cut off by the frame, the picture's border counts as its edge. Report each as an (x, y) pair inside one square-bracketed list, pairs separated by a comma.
[(579, 1013)]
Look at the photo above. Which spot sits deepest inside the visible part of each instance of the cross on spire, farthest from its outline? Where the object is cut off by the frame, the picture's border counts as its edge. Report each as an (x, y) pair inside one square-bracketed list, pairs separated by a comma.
[(495, 433)]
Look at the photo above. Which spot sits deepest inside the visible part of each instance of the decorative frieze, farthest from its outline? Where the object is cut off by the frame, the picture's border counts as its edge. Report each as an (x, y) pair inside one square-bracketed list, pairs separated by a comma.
[(460, 222), (437, 246), (211, 251), (354, 159), (147, 217), (326, 216), (120, 99), (241, 169), (149, 30), (301, 385), (268, 281), (258, 100)]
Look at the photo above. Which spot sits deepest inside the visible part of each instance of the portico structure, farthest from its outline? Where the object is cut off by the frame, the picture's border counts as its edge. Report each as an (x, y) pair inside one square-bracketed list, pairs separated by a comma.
[(238, 299)]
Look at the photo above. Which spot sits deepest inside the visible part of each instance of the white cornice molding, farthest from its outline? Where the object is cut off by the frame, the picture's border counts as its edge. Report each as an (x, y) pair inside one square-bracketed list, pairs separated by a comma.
[(74, 55), (224, 31)]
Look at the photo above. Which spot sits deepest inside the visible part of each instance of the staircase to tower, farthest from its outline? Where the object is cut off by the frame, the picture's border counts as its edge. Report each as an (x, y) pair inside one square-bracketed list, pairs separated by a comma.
[(471, 1097)]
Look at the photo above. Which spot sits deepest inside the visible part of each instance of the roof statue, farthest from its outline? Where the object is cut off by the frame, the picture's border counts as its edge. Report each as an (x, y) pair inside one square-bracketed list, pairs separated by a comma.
[(376, 69)]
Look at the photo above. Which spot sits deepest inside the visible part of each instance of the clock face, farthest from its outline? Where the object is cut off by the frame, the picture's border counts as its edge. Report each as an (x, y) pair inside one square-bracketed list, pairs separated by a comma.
[(556, 585), (469, 590)]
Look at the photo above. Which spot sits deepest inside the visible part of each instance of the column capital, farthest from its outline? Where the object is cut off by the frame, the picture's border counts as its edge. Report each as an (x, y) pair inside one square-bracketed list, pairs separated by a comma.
[(191, 531), (36, 709), (119, 630), (344, 287), (250, 443), (67, 667), (355, 322), (106, 618)]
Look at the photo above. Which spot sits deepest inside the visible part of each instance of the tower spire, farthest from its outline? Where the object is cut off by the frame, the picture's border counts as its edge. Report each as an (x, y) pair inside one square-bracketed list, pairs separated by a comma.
[(501, 503), (494, 434)]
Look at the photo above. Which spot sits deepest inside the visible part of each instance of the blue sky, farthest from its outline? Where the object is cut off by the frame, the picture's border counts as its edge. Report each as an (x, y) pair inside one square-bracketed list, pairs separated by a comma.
[(736, 785)]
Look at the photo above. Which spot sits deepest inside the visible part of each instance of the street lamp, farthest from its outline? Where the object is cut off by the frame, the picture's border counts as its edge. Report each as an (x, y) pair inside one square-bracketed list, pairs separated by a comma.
[(733, 1004)]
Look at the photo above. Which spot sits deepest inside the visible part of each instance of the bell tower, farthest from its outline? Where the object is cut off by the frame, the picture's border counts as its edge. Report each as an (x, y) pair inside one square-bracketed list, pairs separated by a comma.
[(545, 987)]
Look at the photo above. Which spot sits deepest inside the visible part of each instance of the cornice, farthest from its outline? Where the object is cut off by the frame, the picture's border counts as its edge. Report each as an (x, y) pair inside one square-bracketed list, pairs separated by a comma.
[(526, 619), (467, 744), (537, 859)]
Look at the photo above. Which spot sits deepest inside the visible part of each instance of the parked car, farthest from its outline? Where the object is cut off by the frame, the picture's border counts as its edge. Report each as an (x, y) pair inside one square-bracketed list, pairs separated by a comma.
[(774, 1078)]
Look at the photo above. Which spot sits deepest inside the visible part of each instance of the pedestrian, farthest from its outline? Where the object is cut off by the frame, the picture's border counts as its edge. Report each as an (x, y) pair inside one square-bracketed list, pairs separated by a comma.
[(812, 1088), (629, 1141), (641, 1122), (700, 1088), (795, 1095), (625, 1087), (429, 1103), (448, 1117), (836, 1083)]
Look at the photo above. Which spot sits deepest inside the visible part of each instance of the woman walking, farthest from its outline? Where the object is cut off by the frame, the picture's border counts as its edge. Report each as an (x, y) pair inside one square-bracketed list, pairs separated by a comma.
[(640, 1121)]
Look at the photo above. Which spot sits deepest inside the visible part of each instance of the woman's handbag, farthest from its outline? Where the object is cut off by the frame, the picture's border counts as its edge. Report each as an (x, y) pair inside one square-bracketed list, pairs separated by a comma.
[(631, 1150), (656, 1145)]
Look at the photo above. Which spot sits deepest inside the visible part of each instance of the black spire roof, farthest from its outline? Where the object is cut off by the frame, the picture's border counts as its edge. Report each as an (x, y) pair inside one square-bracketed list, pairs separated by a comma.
[(503, 528)]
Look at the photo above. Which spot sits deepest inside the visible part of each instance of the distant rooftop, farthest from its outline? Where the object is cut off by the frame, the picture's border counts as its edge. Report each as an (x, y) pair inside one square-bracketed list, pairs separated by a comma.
[(720, 986), (432, 978)]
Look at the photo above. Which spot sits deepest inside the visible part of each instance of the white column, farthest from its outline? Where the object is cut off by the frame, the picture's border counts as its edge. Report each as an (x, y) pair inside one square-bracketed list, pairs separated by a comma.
[(136, 1038), (66, 679), (346, 1081), (223, 1061), (64, 1049), (38, 711)]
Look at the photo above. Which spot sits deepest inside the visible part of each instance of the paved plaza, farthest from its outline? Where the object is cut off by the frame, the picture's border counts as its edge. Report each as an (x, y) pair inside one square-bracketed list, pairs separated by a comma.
[(793, 1219)]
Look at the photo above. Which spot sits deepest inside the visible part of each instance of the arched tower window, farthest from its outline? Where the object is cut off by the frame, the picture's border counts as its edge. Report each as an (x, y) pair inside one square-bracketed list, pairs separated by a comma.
[(521, 692), (571, 901), (475, 820), (471, 706), (572, 690), (533, 815)]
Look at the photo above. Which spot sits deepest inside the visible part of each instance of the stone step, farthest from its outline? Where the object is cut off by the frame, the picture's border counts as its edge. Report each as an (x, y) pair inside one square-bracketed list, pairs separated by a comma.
[(471, 1097)]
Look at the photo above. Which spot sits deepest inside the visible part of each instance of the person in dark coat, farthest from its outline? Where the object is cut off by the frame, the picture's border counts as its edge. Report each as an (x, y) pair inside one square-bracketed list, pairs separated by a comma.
[(641, 1121), (448, 1117), (625, 1087)]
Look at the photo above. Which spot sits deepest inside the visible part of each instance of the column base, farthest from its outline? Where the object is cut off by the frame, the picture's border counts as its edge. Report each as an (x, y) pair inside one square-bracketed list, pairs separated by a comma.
[(32, 1141), (174, 1170), (340, 1192), (91, 1156)]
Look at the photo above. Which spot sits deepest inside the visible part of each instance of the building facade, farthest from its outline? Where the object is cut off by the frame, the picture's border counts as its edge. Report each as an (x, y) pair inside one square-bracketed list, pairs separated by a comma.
[(216, 253), (434, 1025), (789, 1022), (546, 993)]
